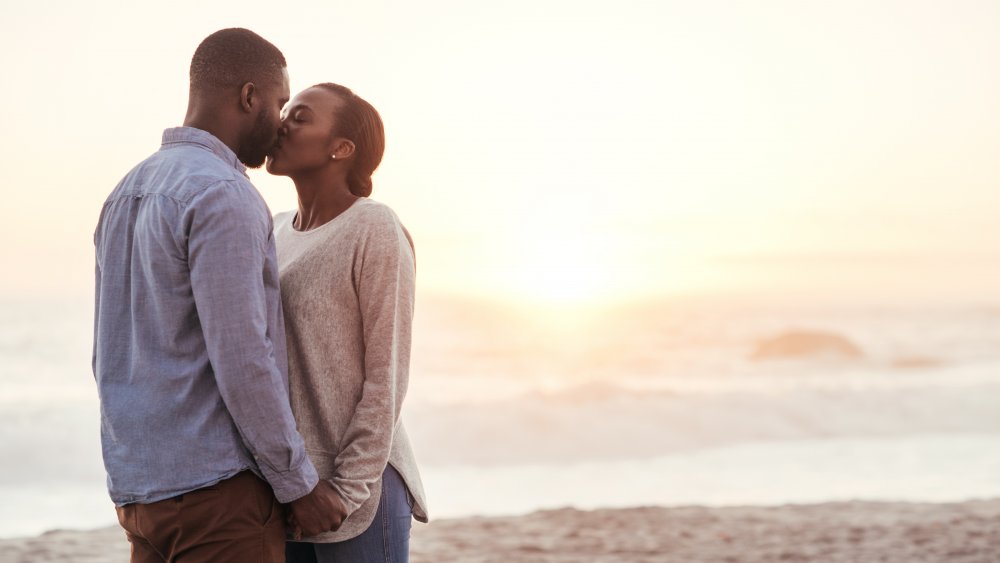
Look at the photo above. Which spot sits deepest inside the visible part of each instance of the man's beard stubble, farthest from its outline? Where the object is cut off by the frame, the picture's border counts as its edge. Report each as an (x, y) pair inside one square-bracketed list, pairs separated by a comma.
[(254, 149)]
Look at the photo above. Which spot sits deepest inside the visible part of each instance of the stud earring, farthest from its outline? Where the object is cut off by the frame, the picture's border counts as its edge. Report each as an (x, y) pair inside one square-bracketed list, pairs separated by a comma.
[(333, 157)]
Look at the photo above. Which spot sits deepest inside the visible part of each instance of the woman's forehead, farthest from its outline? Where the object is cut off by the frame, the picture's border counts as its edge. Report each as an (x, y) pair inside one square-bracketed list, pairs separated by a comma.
[(317, 98)]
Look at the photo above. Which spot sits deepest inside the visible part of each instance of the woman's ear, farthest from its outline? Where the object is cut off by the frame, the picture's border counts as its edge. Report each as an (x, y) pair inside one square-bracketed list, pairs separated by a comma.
[(342, 148)]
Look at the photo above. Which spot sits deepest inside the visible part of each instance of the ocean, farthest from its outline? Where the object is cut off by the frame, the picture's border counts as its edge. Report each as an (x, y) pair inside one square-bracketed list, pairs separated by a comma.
[(662, 402)]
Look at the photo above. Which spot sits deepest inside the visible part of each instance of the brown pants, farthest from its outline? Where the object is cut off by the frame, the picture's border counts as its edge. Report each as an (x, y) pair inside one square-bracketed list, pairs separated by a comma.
[(236, 520)]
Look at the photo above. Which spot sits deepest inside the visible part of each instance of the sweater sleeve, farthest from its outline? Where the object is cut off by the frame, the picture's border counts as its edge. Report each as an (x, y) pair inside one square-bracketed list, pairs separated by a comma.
[(384, 277)]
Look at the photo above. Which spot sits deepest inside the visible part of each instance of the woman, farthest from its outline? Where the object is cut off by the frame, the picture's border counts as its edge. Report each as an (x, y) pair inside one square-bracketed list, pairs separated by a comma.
[(346, 267)]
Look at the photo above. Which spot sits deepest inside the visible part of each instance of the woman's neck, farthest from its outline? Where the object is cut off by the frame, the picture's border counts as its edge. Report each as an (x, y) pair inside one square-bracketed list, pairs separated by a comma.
[(321, 198)]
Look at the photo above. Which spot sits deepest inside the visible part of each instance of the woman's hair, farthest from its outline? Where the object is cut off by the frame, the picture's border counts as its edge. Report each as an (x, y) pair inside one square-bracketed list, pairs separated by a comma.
[(358, 121)]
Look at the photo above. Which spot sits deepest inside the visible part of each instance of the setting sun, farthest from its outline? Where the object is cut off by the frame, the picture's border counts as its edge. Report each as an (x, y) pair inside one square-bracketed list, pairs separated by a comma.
[(558, 268)]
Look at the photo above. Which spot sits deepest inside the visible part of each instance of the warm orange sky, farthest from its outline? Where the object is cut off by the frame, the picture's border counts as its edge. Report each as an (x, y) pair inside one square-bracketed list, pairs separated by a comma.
[(653, 147)]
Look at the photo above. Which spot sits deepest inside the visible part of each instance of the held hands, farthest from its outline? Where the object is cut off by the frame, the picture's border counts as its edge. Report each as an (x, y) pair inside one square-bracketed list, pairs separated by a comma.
[(320, 511)]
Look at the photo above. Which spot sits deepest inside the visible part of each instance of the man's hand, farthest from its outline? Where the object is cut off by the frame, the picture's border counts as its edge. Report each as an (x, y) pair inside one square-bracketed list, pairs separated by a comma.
[(320, 511)]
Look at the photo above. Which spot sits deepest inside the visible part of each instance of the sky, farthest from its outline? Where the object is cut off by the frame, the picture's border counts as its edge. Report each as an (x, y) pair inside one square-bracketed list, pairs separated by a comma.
[(563, 151)]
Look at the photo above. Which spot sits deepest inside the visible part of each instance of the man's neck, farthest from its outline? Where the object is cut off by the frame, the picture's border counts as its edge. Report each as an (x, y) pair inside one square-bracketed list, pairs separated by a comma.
[(210, 122)]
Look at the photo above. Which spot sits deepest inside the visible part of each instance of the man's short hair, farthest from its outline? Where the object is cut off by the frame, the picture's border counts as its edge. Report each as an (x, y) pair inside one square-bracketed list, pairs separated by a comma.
[(229, 58)]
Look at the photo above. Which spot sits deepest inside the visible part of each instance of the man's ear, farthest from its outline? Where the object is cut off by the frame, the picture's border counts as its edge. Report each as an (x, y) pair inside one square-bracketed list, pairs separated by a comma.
[(248, 97)]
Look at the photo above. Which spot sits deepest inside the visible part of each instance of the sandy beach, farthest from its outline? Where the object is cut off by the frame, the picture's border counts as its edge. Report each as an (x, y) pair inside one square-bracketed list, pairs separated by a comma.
[(853, 531)]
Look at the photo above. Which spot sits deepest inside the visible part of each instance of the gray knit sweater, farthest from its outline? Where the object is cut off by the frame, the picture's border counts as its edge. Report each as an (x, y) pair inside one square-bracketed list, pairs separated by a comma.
[(347, 290)]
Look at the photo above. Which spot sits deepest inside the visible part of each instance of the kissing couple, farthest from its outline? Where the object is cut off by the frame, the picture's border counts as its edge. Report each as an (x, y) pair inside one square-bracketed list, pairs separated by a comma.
[(251, 370)]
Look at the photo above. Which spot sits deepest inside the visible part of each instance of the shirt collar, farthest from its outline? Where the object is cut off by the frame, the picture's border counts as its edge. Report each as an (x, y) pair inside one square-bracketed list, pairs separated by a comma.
[(191, 135)]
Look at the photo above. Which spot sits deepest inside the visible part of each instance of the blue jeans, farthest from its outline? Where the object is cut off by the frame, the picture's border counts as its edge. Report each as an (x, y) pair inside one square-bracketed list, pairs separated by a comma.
[(387, 539)]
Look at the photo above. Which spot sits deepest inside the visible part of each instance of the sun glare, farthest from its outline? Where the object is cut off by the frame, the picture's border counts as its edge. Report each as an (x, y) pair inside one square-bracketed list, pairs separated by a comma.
[(556, 269)]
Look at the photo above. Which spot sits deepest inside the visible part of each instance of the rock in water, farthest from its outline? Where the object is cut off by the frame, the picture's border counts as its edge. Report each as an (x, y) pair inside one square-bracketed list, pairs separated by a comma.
[(807, 344)]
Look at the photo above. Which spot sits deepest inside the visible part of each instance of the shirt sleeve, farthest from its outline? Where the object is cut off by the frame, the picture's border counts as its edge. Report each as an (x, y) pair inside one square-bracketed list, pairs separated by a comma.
[(385, 282), (228, 240)]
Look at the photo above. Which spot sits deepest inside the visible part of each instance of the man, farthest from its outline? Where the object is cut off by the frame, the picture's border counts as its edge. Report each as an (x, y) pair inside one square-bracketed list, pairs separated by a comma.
[(189, 345)]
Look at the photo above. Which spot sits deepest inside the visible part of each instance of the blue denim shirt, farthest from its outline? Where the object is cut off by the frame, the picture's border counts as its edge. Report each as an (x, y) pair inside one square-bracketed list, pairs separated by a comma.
[(189, 339)]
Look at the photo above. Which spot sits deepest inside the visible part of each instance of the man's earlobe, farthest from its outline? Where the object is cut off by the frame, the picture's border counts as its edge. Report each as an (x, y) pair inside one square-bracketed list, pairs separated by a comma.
[(247, 96)]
